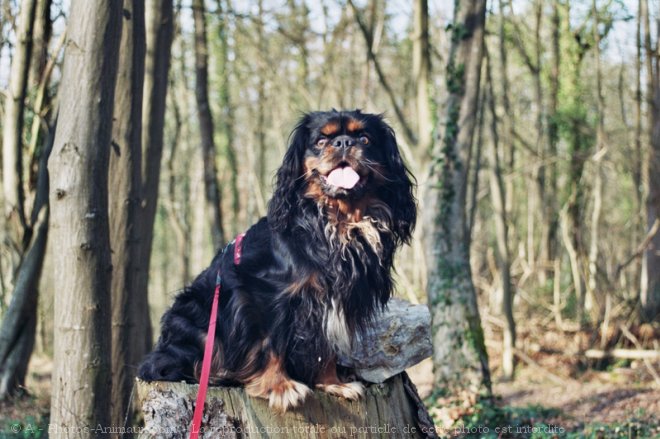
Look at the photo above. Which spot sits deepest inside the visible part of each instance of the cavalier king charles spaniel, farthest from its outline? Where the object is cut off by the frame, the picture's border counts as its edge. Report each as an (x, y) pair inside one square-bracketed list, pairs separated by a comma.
[(312, 274)]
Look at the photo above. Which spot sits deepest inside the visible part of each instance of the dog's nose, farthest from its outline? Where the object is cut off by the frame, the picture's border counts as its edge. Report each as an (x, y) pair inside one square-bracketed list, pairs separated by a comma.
[(343, 142)]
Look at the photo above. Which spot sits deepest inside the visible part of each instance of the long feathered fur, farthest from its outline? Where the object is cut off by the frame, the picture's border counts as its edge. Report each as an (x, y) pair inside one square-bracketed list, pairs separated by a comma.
[(313, 273)]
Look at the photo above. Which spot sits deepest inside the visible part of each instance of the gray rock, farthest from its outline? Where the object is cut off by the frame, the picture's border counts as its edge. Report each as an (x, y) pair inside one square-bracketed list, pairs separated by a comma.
[(399, 339)]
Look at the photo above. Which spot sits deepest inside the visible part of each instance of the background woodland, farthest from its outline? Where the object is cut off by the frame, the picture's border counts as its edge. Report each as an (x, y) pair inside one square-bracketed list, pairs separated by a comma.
[(533, 132)]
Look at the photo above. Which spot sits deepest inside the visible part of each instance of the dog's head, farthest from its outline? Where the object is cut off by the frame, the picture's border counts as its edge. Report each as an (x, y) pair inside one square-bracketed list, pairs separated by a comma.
[(346, 160)]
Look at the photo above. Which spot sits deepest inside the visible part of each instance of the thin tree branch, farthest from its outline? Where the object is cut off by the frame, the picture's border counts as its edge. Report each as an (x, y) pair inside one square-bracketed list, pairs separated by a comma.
[(407, 130), (640, 249)]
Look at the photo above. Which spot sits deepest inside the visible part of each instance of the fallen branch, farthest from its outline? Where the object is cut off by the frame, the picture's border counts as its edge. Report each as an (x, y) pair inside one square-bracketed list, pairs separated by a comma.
[(554, 378), (534, 365), (627, 354), (630, 336)]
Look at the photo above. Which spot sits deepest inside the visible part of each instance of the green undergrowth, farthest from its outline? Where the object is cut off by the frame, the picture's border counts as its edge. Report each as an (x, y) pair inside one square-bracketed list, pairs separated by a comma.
[(486, 419), (26, 427)]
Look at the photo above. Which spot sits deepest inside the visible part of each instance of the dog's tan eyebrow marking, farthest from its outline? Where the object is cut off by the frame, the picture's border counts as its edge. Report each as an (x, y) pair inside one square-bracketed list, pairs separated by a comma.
[(330, 128), (354, 125)]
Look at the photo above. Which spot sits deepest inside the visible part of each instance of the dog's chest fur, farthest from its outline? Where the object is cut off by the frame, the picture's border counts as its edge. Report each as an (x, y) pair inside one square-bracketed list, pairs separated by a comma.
[(349, 244)]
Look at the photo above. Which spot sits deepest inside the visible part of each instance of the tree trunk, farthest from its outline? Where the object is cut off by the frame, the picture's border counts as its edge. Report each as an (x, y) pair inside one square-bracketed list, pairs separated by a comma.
[(159, 31), (42, 31), (638, 151), (460, 359), (124, 207), (26, 237), (18, 329), (508, 120), (79, 200), (260, 124), (579, 143), (498, 197), (392, 409), (593, 281), (538, 201), (650, 297), (211, 188), (12, 128), (550, 209), (227, 113), (421, 73)]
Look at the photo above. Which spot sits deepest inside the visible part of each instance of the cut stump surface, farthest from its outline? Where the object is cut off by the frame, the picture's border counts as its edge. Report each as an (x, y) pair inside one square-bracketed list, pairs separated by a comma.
[(388, 410)]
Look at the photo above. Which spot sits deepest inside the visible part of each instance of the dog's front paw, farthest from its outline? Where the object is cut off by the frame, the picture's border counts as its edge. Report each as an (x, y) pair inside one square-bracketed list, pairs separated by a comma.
[(351, 391), (287, 394), (282, 393)]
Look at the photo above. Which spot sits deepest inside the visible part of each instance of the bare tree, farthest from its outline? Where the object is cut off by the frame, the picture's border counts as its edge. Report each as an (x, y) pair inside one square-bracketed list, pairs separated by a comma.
[(25, 234), (41, 34), (593, 280), (498, 197), (422, 74), (212, 191), (125, 179), (159, 17), (18, 329), (650, 291), (406, 130), (549, 245), (226, 122), (12, 127), (459, 358), (79, 202)]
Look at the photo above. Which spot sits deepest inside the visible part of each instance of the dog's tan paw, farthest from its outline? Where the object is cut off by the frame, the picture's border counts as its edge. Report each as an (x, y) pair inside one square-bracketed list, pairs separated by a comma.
[(287, 395), (351, 391)]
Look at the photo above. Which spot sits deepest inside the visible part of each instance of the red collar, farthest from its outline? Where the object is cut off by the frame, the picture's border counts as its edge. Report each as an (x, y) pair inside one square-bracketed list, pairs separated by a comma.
[(238, 248)]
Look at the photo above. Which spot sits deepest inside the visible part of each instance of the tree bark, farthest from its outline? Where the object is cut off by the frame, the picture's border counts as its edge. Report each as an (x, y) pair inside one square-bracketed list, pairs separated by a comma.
[(392, 409), (551, 212), (26, 233), (227, 113), (650, 292), (79, 202), (593, 283), (42, 31), (159, 32), (19, 322), (579, 143), (498, 197), (212, 190), (638, 151), (125, 207), (460, 359), (421, 73), (12, 127), (260, 126)]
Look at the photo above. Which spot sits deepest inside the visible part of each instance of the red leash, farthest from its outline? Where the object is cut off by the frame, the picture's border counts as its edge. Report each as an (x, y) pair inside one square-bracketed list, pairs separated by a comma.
[(208, 347)]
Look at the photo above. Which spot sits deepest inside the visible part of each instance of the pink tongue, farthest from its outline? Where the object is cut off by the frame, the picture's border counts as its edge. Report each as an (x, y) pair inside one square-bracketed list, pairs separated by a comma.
[(343, 177)]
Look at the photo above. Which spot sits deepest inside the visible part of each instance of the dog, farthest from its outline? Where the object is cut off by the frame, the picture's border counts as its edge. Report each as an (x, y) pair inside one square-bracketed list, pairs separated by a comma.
[(312, 274)]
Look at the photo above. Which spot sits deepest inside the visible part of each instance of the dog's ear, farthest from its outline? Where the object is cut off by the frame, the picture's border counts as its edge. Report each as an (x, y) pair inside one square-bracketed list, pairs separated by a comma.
[(400, 189), (288, 179)]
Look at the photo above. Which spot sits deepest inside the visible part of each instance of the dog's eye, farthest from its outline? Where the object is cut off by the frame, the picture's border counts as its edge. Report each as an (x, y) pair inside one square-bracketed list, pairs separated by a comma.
[(364, 140), (322, 142)]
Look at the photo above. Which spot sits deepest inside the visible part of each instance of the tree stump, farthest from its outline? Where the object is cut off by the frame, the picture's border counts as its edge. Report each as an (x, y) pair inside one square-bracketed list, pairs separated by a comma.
[(391, 409)]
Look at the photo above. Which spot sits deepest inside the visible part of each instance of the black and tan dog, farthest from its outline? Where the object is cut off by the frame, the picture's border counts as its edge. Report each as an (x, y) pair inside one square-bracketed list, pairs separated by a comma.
[(312, 274)]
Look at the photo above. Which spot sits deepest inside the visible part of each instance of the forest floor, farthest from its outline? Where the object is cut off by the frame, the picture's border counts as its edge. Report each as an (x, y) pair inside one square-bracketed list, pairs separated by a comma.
[(555, 392), (555, 389), (598, 404)]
